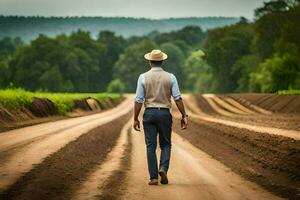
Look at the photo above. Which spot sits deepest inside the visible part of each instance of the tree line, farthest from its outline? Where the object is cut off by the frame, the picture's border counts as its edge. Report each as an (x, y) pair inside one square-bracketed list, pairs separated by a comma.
[(29, 27), (259, 56)]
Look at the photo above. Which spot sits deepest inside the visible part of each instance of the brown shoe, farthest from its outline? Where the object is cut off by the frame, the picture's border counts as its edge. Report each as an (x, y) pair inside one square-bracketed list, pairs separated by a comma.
[(153, 182), (164, 177)]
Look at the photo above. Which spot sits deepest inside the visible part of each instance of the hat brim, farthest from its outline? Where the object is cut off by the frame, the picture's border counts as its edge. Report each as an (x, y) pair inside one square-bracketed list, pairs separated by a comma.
[(148, 57)]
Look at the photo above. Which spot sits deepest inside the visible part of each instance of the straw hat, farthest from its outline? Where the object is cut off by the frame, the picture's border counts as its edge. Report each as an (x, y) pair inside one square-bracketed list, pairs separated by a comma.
[(156, 55)]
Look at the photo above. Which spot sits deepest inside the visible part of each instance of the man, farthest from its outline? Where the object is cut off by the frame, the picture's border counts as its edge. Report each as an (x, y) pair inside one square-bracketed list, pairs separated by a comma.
[(154, 89)]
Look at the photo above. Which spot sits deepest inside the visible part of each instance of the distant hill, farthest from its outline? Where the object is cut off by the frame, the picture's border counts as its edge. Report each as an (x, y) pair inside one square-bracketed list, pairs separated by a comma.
[(29, 28)]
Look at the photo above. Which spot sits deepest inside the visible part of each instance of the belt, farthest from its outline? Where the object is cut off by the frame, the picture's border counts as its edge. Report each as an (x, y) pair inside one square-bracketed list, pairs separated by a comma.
[(157, 108)]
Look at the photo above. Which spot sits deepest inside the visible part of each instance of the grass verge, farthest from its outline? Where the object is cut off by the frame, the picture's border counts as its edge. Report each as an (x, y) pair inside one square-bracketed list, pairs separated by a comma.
[(17, 98), (289, 92)]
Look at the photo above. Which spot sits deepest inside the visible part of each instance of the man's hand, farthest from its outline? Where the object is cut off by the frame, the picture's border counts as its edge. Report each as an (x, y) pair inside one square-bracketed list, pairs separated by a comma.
[(184, 119), (184, 122), (137, 109), (136, 125)]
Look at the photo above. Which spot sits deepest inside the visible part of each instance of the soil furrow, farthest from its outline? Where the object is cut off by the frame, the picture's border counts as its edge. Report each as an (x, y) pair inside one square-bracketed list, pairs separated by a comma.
[(59, 174), (236, 104), (284, 121), (227, 106), (271, 161), (115, 187), (250, 105), (204, 105)]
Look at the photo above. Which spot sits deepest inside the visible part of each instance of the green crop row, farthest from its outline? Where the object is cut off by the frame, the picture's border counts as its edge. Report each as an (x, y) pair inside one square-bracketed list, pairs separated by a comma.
[(16, 98), (289, 92)]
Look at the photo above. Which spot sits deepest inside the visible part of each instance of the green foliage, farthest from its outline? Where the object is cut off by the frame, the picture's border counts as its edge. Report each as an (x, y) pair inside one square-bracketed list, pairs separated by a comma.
[(259, 56), (116, 86), (289, 92), (174, 63), (17, 98), (278, 73), (132, 63), (60, 64), (198, 73), (243, 68), (275, 6), (189, 34), (225, 46)]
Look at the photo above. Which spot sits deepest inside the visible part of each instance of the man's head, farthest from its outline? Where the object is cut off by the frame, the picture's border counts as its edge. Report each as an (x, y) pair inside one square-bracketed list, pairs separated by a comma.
[(156, 57)]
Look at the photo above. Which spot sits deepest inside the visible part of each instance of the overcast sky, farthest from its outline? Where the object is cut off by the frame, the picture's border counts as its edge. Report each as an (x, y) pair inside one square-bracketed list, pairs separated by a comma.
[(131, 8)]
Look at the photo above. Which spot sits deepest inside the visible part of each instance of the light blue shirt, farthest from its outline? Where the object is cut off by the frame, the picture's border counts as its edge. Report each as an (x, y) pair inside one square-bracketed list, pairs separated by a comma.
[(140, 90)]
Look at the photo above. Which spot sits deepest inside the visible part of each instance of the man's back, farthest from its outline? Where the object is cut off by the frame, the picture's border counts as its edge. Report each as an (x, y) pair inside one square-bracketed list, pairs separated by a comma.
[(157, 88)]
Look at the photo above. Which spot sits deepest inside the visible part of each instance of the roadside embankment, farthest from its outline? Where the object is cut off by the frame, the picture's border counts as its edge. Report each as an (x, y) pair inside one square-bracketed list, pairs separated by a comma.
[(20, 108)]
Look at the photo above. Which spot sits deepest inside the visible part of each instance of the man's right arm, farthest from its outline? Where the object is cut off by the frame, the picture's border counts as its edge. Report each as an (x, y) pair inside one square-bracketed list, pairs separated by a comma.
[(139, 99)]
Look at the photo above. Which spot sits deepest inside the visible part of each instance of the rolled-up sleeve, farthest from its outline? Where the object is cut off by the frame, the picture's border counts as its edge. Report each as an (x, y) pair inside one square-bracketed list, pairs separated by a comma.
[(175, 88), (140, 90)]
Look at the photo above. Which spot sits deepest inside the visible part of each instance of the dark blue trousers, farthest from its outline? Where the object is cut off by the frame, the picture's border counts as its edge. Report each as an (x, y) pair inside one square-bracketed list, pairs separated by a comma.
[(157, 122)]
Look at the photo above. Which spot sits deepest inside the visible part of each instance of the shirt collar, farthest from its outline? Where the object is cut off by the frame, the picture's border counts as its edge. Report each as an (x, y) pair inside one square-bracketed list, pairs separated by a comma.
[(156, 69)]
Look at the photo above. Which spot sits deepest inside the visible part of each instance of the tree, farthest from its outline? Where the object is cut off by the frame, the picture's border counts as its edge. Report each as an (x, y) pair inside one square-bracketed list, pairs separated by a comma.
[(115, 45), (132, 63), (116, 86), (277, 73), (191, 35), (52, 80), (275, 6), (224, 46), (72, 61), (242, 69), (174, 63), (92, 61), (198, 75)]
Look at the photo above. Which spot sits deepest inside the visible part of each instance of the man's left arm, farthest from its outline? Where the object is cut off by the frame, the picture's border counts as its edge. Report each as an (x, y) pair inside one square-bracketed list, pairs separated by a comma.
[(179, 102), (139, 99)]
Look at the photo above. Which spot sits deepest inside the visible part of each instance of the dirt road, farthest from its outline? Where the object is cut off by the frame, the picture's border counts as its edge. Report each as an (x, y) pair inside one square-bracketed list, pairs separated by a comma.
[(101, 157), (193, 175)]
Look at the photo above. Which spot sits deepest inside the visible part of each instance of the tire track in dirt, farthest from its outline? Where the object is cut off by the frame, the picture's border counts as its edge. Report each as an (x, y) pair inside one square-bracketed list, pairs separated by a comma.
[(60, 174)]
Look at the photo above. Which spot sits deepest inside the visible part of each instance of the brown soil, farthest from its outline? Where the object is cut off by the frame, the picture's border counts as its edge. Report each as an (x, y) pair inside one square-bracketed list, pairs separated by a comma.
[(277, 120), (283, 103), (5, 115), (116, 184), (42, 107), (271, 161), (204, 105), (88, 104), (59, 175), (94, 104), (109, 103), (43, 110), (81, 104), (40, 110)]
